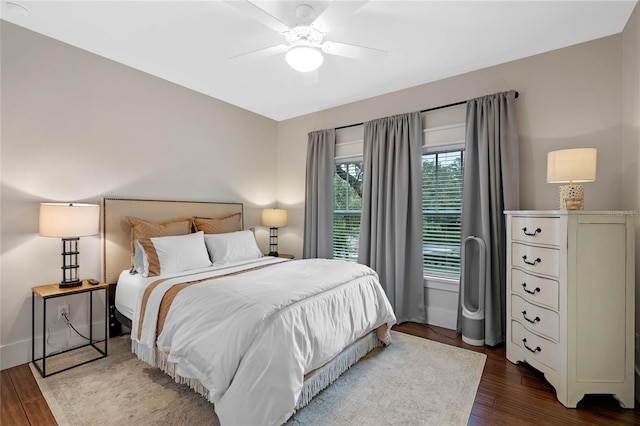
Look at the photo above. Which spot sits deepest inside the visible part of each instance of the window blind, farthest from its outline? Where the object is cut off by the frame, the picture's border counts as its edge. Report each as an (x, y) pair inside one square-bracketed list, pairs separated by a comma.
[(441, 212), (347, 209)]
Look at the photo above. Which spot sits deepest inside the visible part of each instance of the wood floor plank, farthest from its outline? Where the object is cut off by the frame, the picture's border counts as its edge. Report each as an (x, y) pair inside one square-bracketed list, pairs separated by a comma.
[(24, 381), (11, 410), (27, 389)]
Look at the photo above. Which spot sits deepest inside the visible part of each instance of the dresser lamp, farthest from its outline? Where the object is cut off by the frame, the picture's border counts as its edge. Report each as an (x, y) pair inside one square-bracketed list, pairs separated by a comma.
[(274, 219), (69, 221), (571, 166)]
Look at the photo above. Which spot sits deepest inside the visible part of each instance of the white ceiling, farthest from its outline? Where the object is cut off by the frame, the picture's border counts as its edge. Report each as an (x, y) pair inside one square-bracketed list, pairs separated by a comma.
[(190, 43)]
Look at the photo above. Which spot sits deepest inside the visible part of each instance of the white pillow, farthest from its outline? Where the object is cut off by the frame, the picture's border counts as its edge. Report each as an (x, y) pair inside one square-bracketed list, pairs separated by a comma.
[(140, 260), (165, 255), (232, 247), (181, 253)]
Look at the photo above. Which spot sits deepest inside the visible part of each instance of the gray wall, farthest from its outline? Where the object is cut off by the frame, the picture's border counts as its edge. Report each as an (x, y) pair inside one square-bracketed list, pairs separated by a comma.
[(77, 127)]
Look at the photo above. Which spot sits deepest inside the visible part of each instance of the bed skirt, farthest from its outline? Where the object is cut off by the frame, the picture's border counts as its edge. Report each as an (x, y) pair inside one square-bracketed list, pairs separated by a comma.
[(314, 381)]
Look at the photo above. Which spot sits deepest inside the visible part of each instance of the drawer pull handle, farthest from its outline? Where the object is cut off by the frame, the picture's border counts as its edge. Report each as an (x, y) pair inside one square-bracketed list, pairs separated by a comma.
[(531, 234), (537, 349), (535, 290), (532, 321), (524, 258)]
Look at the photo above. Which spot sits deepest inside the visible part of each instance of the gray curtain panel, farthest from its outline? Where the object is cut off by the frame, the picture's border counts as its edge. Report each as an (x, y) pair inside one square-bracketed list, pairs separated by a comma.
[(391, 224), (491, 185), (318, 210)]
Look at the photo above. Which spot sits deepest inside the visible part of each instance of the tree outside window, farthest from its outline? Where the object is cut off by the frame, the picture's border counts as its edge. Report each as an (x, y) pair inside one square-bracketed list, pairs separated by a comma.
[(347, 209)]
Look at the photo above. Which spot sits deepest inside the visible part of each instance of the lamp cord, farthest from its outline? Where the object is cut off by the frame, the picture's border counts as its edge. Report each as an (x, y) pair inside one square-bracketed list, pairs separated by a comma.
[(66, 320)]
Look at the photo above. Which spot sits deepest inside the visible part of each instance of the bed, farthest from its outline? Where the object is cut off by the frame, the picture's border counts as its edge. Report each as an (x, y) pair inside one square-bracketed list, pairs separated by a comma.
[(258, 336)]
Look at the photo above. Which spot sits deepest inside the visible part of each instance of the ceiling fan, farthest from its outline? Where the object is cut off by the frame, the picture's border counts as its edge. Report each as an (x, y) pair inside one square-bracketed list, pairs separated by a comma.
[(305, 32)]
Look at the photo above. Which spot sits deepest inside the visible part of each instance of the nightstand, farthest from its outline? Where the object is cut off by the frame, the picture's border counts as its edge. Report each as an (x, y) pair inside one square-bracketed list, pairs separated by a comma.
[(52, 291), (283, 255)]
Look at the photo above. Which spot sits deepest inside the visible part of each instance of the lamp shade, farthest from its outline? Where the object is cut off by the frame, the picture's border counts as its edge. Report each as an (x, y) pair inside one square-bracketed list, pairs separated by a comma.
[(304, 58), (572, 165), (274, 218), (67, 220)]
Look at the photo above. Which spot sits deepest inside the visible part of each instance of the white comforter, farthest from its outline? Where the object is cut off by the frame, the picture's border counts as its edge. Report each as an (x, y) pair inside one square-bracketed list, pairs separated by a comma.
[(250, 338)]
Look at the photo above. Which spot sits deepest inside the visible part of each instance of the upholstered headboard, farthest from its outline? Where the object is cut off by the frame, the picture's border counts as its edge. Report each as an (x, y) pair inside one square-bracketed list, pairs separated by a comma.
[(116, 232)]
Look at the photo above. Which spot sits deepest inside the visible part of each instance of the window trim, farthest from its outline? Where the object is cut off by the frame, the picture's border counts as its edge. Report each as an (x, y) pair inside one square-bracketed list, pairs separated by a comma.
[(444, 147)]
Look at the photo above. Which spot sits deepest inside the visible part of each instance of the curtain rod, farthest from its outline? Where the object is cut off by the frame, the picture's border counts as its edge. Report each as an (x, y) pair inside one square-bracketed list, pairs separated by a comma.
[(421, 111)]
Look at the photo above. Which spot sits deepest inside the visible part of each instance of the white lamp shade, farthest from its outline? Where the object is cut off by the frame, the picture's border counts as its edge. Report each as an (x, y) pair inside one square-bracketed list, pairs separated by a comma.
[(304, 58), (572, 165), (274, 218), (67, 220)]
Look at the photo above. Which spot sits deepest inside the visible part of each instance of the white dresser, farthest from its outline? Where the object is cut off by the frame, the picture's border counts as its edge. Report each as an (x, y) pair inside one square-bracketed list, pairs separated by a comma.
[(570, 300)]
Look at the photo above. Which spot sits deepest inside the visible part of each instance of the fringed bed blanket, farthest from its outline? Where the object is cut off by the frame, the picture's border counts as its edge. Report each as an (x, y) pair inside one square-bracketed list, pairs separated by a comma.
[(244, 337)]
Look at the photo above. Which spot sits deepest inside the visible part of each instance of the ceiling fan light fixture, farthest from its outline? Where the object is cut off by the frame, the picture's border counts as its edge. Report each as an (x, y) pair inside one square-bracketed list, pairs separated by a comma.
[(304, 58)]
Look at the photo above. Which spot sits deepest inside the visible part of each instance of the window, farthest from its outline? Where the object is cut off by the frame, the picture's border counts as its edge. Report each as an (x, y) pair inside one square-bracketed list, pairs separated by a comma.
[(347, 209), (441, 212)]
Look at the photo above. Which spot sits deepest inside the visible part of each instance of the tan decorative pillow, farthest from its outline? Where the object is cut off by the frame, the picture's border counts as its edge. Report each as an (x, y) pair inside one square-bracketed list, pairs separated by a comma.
[(219, 226), (142, 229)]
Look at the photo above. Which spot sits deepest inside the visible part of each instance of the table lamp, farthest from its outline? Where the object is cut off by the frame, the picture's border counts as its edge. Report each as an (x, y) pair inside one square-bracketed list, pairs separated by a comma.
[(571, 166), (69, 221), (274, 219)]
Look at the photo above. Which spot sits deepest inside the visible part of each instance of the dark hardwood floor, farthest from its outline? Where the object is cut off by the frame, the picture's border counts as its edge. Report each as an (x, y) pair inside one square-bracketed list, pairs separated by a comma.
[(508, 394), (515, 395), (22, 402)]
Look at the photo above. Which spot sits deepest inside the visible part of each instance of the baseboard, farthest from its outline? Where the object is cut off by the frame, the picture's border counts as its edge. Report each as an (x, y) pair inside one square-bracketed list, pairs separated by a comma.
[(15, 354), (18, 353)]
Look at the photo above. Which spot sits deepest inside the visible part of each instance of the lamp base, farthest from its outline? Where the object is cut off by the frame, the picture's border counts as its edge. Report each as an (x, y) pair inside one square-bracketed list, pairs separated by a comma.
[(571, 197), (273, 242), (70, 263), (67, 284)]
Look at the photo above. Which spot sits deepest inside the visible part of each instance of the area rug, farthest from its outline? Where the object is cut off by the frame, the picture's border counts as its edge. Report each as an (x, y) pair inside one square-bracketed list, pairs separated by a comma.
[(413, 381)]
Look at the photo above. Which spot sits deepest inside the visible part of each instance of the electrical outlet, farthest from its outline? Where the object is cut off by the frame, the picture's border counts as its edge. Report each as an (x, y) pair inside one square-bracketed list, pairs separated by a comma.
[(63, 309)]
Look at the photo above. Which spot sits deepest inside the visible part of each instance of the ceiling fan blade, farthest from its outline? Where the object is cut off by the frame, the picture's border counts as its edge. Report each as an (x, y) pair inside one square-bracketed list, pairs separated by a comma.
[(260, 53), (256, 13), (353, 51), (336, 14)]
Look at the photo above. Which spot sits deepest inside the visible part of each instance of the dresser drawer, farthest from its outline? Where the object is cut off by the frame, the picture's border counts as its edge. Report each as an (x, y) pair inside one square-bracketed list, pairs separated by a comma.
[(535, 289), (536, 230), (535, 347), (536, 259), (534, 318)]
